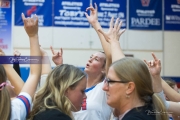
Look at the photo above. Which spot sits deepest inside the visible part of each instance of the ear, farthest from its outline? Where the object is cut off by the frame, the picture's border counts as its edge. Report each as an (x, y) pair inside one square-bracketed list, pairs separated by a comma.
[(67, 92), (130, 88)]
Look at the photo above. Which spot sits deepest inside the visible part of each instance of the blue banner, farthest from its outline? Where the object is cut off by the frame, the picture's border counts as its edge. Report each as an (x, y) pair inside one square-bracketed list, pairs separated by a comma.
[(111, 8), (6, 26), (42, 8), (172, 15), (70, 13), (145, 14), (24, 60)]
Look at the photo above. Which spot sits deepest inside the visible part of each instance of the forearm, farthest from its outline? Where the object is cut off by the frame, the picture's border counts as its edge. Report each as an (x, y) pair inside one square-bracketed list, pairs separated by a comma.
[(46, 65), (116, 51), (174, 108), (34, 77), (35, 51), (104, 43), (170, 93), (157, 85), (14, 78)]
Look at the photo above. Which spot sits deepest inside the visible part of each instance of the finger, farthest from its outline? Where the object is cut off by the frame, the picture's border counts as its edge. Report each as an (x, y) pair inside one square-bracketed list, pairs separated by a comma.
[(87, 16), (61, 51), (154, 56), (23, 17), (111, 22), (36, 19), (90, 8), (96, 8), (152, 62), (121, 32), (116, 23), (52, 50), (159, 62), (119, 26)]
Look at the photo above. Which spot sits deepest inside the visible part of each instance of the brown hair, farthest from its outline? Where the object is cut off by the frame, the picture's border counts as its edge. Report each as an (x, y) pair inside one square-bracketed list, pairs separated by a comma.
[(5, 102)]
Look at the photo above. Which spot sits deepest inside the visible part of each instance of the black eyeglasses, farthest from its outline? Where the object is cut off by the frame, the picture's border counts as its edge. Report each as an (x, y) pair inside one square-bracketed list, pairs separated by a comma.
[(107, 81)]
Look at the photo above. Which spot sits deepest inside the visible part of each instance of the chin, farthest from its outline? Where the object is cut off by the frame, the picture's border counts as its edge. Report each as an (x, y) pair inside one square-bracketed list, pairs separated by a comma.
[(110, 103)]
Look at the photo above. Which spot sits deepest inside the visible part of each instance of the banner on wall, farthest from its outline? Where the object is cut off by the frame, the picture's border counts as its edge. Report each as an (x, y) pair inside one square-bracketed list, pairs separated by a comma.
[(172, 15), (70, 13), (6, 26), (145, 14), (42, 8), (111, 8)]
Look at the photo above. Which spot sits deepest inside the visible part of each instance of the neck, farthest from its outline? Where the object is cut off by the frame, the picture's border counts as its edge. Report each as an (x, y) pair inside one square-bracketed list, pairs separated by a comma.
[(93, 80), (130, 104)]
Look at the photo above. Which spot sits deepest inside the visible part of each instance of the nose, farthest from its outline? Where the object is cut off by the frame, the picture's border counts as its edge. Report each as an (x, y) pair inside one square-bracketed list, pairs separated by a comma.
[(105, 87)]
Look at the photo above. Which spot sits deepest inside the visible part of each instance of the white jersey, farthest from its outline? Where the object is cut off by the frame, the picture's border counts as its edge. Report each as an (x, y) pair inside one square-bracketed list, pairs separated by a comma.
[(95, 106), (20, 106)]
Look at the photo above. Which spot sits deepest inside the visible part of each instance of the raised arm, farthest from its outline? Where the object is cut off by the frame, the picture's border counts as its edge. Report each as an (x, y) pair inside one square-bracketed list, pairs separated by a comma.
[(155, 70), (46, 65), (93, 20), (170, 93), (16, 65), (57, 57), (31, 28), (112, 36), (12, 76)]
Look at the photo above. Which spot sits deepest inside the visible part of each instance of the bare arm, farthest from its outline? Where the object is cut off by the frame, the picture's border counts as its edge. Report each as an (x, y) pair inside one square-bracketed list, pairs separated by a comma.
[(170, 93), (174, 108), (46, 65), (112, 37), (31, 28), (155, 70), (12, 76)]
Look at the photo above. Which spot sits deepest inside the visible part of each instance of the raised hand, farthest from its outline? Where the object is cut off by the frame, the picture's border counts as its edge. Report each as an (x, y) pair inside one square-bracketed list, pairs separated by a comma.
[(93, 18), (17, 53), (30, 25), (114, 33), (2, 52), (57, 56), (154, 66)]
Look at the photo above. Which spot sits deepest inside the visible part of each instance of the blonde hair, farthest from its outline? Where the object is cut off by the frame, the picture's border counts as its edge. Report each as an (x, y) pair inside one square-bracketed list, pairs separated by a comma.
[(5, 102), (135, 70), (52, 94)]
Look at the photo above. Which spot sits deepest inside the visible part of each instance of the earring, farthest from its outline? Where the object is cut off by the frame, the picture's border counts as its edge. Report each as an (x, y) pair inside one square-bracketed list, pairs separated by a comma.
[(127, 96)]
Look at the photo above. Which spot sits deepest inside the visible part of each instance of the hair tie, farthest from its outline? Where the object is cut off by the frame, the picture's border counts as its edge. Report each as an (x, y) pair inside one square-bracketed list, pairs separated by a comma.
[(2, 85)]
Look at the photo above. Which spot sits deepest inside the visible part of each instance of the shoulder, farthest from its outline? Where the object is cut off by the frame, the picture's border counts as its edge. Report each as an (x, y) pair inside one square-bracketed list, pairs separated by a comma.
[(52, 114), (20, 106), (139, 113)]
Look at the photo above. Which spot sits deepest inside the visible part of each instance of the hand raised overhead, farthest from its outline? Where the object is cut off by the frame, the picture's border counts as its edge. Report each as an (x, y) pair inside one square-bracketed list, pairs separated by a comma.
[(57, 56), (93, 18), (114, 32), (154, 66), (17, 53), (31, 25)]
